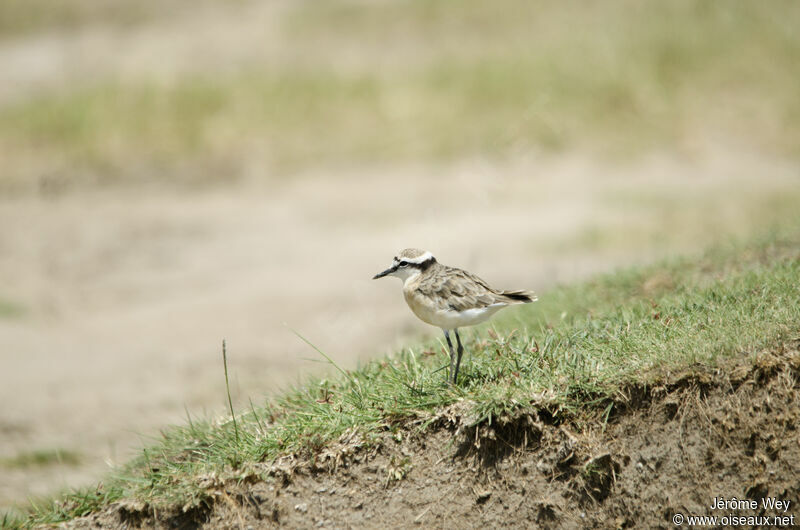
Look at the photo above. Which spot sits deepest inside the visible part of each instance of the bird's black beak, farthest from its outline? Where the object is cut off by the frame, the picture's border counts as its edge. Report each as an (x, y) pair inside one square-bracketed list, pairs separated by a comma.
[(384, 273)]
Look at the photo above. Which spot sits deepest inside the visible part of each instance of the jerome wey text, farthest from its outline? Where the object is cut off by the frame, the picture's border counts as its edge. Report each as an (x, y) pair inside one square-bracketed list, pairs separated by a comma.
[(777, 507), (766, 503)]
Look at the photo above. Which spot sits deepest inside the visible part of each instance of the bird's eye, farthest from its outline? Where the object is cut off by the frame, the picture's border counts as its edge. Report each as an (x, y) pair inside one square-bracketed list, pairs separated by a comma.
[(403, 263)]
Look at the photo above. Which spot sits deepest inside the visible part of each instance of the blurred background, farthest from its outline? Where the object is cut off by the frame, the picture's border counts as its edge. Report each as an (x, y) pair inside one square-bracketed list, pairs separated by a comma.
[(177, 172)]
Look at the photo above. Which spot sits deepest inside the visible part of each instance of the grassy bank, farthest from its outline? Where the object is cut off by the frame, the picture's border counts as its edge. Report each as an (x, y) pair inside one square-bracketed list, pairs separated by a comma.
[(572, 353)]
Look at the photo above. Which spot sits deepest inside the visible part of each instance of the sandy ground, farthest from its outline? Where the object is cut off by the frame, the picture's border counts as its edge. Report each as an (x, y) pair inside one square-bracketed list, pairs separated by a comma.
[(124, 296)]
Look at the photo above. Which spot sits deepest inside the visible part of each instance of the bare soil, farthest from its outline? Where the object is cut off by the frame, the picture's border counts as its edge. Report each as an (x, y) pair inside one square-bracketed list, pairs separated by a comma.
[(666, 449)]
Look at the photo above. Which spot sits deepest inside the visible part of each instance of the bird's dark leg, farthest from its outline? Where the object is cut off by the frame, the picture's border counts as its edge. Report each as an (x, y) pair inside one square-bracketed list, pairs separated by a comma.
[(452, 353), (460, 352)]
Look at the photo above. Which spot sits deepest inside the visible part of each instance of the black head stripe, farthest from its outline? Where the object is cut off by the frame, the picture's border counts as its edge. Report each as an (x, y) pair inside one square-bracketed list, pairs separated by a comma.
[(424, 265)]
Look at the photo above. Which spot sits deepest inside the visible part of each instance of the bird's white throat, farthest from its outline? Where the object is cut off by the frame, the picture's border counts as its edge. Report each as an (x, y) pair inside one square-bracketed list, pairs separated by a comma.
[(406, 273)]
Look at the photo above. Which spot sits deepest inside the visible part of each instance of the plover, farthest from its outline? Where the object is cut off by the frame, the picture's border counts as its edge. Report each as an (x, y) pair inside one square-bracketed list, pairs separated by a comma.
[(447, 297)]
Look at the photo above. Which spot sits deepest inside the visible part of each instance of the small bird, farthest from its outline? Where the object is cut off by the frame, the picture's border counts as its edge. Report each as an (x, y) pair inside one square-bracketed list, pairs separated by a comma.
[(448, 297)]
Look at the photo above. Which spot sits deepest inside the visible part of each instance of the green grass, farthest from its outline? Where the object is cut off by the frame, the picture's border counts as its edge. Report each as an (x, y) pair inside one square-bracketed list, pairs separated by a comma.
[(41, 458), (10, 309), (20, 18), (571, 352), (436, 81)]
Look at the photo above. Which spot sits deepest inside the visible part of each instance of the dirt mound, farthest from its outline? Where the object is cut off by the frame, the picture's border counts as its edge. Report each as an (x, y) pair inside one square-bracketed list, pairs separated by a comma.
[(673, 448)]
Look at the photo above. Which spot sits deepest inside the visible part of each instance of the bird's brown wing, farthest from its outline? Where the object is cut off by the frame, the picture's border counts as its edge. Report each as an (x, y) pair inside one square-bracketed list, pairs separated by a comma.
[(457, 289)]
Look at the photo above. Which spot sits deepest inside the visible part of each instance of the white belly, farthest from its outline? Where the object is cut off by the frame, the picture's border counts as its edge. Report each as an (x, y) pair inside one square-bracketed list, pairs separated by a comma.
[(450, 319)]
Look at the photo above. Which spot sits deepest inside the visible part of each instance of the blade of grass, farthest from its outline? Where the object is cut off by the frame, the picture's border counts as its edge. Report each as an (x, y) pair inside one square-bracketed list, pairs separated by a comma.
[(228, 388)]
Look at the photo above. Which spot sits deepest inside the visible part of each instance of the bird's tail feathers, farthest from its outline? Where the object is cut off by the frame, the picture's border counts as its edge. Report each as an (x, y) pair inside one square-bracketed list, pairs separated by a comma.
[(520, 296)]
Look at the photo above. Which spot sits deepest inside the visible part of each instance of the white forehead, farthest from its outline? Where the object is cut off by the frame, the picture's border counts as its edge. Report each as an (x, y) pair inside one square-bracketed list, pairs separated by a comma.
[(422, 258)]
